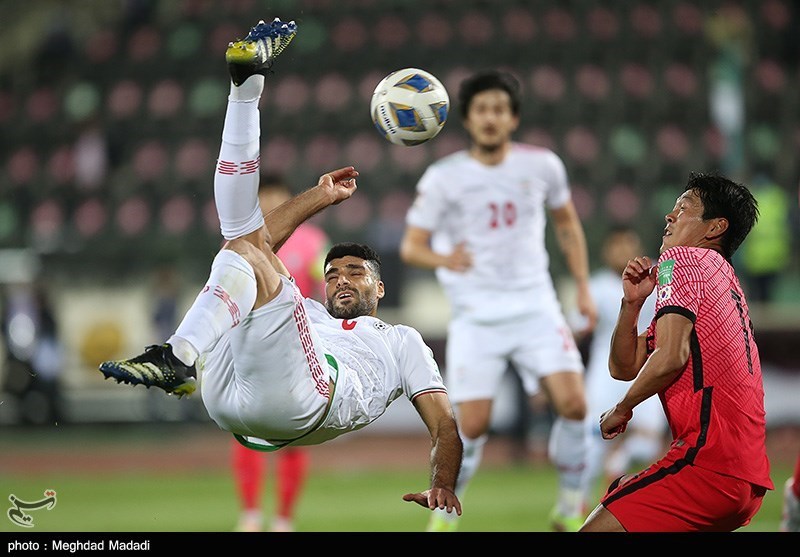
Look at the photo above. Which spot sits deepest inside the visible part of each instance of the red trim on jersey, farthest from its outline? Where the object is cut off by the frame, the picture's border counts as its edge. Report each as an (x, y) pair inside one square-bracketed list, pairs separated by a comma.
[(425, 391), (321, 379)]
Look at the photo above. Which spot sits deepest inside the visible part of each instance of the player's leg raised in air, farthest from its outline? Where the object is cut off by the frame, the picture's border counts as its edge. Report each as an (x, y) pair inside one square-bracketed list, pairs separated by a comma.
[(245, 272)]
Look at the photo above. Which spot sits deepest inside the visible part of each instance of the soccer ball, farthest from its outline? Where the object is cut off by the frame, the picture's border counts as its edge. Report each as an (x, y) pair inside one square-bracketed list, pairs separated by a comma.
[(409, 106)]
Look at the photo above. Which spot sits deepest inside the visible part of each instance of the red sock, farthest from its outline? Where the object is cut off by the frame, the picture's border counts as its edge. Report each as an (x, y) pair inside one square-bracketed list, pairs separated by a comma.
[(292, 467), (796, 476), (248, 474)]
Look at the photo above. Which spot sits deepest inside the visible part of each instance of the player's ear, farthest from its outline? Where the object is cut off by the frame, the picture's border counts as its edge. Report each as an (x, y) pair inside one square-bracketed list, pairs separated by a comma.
[(381, 290), (718, 228)]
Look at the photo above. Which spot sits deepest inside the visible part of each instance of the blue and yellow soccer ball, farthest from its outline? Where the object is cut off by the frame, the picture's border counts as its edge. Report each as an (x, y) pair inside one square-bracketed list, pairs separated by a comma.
[(409, 106)]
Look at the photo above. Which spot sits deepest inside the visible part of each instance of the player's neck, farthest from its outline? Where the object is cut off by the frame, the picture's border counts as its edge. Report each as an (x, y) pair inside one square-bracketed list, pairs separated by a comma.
[(490, 156)]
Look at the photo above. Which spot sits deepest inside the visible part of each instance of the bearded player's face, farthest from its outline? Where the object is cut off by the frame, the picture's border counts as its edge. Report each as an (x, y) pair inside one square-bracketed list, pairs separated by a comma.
[(351, 288)]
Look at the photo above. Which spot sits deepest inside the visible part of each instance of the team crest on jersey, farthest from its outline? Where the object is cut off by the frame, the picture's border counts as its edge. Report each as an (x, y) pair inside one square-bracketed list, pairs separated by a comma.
[(381, 326), (664, 293), (665, 269)]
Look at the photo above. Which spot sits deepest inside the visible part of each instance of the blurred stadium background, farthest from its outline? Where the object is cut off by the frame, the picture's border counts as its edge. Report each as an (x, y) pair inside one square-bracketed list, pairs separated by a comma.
[(111, 112)]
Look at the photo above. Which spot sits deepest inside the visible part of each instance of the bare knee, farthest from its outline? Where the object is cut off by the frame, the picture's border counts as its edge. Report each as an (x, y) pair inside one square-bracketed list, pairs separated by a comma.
[(567, 395), (474, 417), (268, 282), (254, 256), (572, 407)]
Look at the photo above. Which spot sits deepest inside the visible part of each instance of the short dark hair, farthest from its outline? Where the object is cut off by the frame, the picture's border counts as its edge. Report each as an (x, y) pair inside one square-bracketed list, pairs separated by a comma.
[(724, 198), (362, 251), (484, 81)]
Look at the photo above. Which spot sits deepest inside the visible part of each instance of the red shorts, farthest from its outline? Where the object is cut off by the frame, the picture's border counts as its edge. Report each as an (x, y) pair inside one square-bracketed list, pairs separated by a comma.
[(679, 497)]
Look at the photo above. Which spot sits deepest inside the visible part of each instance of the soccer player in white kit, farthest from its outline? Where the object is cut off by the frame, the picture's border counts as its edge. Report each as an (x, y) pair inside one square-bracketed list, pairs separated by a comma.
[(479, 220), (647, 430), (278, 369)]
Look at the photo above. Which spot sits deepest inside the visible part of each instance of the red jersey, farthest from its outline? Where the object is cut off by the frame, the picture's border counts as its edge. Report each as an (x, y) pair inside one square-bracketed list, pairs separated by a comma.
[(303, 254), (715, 407)]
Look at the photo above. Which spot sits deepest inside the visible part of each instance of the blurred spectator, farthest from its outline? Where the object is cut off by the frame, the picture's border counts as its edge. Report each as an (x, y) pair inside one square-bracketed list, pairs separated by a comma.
[(91, 156), (34, 352), (767, 251), (729, 30), (165, 309)]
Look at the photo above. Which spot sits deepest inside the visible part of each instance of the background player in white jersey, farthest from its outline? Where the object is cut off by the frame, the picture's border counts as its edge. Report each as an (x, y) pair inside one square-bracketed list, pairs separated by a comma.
[(278, 369), (479, 220), (645, 439)]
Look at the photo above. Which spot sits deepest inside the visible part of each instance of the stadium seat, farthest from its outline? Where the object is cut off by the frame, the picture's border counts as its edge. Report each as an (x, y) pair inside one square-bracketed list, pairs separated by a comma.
[(390, 32), (133, 216), (47, 223), (101, 48), (207, 99), (279, 153), (332, 93), (628, 145), (581, 145), (61, 166), (433, 31), (90, 217), (476, 29), (150, 160), (603, 25), (194, 160), (177, 215), (81, 101), (22, 167), (42, 105), (369, 149), (349, 35), (165, 99), (124, 99), (143, 46)]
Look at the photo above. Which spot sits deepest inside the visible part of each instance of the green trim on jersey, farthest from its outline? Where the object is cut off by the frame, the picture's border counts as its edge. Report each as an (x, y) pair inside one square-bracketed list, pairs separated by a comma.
[(265, 446)]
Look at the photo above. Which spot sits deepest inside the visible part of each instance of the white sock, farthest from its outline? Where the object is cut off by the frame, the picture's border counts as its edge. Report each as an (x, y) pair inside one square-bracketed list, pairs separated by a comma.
[(250, 90), (596, 451), (237, 173), (226, 299), (567, 450)]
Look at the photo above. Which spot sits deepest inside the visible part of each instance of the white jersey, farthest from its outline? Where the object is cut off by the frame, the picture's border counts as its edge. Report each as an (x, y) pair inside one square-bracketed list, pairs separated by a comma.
[(499, 212), (376, 362), (267, 380)]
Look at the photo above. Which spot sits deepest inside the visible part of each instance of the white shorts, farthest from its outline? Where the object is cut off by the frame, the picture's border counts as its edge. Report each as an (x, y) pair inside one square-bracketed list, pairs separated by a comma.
[(268, 377), (478, 355)]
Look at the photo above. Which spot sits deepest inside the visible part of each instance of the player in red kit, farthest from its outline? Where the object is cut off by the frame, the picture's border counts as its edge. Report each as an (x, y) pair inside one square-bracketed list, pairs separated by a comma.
[(700, 357), (303, 254)]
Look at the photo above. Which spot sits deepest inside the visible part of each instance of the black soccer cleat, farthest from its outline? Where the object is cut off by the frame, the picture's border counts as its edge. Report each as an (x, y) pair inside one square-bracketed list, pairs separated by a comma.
[(256, 52), (157, 367)]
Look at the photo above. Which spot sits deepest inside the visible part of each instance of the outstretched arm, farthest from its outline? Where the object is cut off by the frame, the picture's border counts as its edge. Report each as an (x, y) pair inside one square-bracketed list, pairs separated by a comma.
[(415, 250), (572, 242), (332, 188), (446, 453)]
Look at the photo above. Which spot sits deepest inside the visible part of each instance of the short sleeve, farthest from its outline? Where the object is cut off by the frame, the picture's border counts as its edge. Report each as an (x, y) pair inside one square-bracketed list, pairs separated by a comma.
[(419, 371), (680, 282), (558, 191), (430, 202)]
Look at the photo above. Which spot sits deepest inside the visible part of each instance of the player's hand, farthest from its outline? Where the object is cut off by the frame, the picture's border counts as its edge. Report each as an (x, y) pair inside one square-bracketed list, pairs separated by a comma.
[(614, 422), (638, 279), (339, 184), (436, 498), (460, 260)]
